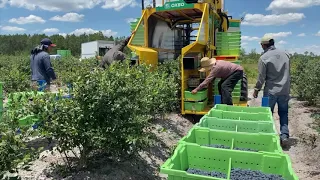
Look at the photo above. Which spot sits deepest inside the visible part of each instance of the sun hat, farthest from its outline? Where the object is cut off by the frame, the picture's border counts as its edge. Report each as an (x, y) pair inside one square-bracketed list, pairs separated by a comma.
[(207, 63), (266, 39)]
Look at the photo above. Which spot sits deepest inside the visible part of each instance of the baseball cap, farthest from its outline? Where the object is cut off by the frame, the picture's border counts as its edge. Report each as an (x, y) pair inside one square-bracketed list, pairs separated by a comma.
[(266, 38), (47, 42)]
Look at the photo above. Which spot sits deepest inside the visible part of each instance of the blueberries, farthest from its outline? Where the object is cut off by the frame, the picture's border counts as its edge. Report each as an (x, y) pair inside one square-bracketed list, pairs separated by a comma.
[(246, 149), (207, 173), (218, 146), (228, 147), (245, 174)]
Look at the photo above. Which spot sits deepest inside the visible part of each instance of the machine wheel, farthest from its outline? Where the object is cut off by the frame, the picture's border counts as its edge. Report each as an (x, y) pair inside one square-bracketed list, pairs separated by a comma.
[(244, 88)]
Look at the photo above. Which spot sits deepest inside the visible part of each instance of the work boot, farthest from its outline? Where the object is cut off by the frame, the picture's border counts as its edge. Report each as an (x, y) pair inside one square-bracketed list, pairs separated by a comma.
[(284, 140)]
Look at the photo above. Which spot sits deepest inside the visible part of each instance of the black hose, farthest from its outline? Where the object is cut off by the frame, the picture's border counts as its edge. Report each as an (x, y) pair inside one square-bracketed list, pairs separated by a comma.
[(221, 22)]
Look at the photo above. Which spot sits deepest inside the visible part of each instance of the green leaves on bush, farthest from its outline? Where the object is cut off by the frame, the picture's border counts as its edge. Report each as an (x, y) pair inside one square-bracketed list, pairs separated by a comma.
[(110, 111), (306, 79)]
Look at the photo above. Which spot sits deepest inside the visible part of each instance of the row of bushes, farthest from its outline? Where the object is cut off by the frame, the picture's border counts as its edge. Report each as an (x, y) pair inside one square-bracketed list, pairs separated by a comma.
[(111, 112)]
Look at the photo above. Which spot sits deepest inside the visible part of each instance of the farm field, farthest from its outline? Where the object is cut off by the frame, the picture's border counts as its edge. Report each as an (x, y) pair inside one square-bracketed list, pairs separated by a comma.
[(160, 120)]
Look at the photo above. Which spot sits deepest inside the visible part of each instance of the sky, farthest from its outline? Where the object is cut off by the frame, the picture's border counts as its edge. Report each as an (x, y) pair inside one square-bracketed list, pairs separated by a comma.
[(294, 24)]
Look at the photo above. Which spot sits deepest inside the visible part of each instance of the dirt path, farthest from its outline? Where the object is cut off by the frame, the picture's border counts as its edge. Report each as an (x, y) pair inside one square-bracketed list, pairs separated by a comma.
[(304, 151), (305, 141)]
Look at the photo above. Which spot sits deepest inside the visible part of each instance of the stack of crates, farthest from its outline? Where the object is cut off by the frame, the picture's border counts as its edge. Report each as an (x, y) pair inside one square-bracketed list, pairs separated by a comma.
[(195, 102), (236, 93), (228, 43), (227, 141)]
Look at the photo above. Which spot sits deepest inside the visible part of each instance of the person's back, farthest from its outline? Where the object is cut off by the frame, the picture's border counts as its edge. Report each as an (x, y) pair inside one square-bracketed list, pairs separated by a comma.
[(40, 64), (37, 66), (277, 64), (274, 72)]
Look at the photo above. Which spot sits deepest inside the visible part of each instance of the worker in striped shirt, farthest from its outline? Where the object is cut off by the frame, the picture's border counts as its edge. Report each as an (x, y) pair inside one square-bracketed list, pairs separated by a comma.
[(228, 72)]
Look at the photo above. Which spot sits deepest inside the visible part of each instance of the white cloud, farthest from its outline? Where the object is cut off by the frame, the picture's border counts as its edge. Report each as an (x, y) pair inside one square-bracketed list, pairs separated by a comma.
[(249, 38), (279, 34), (119, 4), (69, 5), (3, 3), (312, 48), (27, 20), (302, 34), (129, 20), (63, 34), (107, 32), (273, 19), (291, 5), (51, 30), (12, 28), (318, 33), (282, 42), (69, 17)]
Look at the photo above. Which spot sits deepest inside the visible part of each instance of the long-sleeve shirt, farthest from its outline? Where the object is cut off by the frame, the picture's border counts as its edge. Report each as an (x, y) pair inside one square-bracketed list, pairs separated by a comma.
[(114, 53), (222, 69), (274, 71), (41, 68)]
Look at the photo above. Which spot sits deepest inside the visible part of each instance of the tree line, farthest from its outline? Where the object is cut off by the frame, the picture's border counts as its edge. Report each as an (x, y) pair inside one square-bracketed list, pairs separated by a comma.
[(24, 43)]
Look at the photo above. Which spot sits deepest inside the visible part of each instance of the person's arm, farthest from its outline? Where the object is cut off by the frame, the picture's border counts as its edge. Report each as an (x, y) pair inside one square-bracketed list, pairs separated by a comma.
[(125, 42), (48, 67), (208, 79), (262, 70)]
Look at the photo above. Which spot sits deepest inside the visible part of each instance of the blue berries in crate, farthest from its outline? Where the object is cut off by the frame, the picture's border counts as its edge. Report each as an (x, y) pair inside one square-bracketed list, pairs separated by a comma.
[(207, 173), (245, 174), (228, 147)]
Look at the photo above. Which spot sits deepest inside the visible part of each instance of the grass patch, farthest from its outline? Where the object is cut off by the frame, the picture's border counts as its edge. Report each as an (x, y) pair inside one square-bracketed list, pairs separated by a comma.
[(251, 69)]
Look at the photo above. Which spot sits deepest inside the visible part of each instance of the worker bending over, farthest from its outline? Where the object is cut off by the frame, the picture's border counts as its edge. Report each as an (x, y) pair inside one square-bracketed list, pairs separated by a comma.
[(274, 71), (115, 53), (229, 73)]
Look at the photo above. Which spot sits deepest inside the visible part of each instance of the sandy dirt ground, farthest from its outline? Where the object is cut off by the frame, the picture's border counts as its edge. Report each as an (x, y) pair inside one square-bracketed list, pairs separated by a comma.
[(304, 151)]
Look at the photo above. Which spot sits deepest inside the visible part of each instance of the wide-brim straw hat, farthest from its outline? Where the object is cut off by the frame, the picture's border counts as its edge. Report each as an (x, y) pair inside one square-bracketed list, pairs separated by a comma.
[(207, 63)]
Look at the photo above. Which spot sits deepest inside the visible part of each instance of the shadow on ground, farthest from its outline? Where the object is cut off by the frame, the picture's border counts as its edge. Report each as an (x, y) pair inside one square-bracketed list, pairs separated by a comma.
[(103, 168), (292, 142)]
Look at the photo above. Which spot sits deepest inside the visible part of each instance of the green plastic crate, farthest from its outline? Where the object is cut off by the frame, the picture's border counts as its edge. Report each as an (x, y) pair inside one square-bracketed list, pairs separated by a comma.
[(258, 142), (234, 24), (235, 99), (236, 89), (225, 107), (195, 106), (235, 94), (236, 62), (228, 51), (230, 39), (228, 34), (236, 125), (200, 96), (222, 47), (194, 156), (267, 117), (220, 42)]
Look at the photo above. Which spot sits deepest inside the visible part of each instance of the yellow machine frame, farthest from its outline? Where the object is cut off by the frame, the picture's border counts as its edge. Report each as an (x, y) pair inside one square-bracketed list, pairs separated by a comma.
[(204, 43)]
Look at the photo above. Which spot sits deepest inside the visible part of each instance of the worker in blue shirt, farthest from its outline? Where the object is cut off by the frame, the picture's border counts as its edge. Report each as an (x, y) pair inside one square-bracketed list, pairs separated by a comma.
[(41, 67)]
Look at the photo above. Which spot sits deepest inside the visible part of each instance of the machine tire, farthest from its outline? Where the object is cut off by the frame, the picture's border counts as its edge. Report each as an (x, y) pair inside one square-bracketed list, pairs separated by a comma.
[(244, 88)]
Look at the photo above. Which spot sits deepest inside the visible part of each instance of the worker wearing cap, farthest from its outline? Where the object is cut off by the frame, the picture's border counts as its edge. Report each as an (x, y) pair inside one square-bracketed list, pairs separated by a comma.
[(115, 53), (274, 71), (41, 68), (229, 73)]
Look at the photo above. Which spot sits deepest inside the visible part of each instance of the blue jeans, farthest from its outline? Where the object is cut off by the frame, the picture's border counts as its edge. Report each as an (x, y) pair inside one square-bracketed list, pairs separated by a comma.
[(283, 107)]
